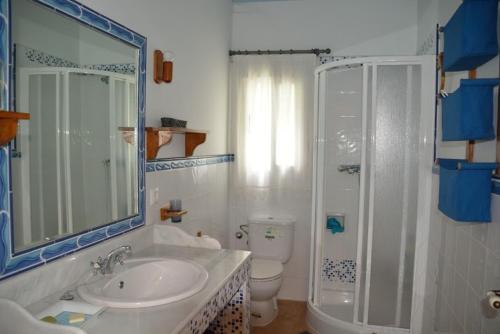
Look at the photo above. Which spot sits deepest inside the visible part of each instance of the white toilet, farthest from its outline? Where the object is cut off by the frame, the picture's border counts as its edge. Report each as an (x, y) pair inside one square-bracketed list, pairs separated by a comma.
[(271, 241)]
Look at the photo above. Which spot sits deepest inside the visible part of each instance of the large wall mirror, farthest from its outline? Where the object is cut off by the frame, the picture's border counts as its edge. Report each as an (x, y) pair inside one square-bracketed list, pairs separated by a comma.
[(76, 167)]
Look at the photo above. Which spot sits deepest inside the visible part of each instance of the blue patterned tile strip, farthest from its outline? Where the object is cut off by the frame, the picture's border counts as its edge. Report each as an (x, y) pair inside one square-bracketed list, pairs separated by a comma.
[(214, 310), (324, 59), (42, 58), (335, 270), (10, 263), (178, 163), (233, 317)]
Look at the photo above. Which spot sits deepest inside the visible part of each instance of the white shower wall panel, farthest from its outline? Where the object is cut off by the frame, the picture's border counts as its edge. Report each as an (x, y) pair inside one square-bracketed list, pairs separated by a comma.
[(343, 130)]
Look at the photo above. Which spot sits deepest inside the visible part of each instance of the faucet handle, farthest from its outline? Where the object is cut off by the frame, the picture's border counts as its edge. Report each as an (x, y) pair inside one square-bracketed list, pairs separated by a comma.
[(97, 266)]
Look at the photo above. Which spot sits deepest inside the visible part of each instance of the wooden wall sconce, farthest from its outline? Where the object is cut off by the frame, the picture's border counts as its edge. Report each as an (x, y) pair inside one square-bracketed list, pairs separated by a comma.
[(8, 125), (163, 70)]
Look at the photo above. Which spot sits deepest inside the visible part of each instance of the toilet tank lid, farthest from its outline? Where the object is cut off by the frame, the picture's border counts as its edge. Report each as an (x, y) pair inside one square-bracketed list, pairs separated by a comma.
[(268, 219)]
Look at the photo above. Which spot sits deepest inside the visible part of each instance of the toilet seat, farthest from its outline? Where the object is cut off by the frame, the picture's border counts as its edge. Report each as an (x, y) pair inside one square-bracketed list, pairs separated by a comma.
[(266, 270)]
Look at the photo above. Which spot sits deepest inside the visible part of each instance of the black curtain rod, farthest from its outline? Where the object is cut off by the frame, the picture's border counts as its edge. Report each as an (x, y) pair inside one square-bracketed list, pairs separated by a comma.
[(317, 52)]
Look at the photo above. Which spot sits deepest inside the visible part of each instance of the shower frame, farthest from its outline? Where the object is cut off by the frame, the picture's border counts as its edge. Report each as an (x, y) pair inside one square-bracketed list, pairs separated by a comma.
[(425, 162), (62, 74)]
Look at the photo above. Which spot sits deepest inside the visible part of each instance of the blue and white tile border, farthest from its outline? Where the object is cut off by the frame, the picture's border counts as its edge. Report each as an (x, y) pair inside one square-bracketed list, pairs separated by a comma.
[(236, 284), (38, 57), (178, 163), (14, 263)]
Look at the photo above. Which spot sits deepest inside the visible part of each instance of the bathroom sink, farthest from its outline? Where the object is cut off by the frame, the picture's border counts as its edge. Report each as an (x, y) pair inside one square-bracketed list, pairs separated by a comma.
[(146, 282), (16, 320)]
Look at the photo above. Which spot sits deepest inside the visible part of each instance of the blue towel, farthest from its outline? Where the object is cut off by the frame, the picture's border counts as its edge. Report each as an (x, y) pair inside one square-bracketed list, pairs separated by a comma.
[(334, 225)]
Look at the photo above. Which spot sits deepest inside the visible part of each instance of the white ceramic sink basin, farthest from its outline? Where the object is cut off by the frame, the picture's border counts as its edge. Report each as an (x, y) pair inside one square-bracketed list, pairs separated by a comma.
[(146, 282)]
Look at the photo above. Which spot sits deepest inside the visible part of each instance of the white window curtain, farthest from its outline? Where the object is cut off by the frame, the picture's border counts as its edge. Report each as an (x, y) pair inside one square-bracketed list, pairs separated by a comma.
[(271, 119)]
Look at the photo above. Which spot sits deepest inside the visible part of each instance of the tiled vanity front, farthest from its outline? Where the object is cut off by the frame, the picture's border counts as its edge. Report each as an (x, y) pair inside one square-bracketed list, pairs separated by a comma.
[(223, 306)]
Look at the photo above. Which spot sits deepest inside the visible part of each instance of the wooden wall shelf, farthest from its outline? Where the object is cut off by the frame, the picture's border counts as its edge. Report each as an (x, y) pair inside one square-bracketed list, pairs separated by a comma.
[(8, 125), (166, 214), (158, 137)]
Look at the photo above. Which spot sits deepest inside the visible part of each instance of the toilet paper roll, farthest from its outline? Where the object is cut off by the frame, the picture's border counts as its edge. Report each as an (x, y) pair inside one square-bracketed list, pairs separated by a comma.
[(494, 299)]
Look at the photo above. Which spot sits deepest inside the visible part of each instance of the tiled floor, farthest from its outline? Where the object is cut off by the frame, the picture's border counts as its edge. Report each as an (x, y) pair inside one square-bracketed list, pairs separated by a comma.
[(290, 320)]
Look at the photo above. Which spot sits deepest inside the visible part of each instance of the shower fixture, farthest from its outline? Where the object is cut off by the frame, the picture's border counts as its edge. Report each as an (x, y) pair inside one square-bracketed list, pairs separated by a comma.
[(349, 169)]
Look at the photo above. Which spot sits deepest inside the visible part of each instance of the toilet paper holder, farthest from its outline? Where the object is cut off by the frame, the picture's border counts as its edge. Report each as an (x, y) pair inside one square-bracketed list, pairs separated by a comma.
[(493, 297)]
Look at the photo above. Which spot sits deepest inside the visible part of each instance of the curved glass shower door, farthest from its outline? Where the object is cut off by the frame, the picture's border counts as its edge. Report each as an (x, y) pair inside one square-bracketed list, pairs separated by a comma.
[(367, 181)]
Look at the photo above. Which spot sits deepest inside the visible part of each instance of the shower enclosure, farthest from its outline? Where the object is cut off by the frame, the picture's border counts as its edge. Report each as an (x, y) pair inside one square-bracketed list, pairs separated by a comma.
[(77, 114), (373, 154)]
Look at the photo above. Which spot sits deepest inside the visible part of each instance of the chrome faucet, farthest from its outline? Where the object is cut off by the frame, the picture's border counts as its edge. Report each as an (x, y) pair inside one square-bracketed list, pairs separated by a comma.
[(107, 265)]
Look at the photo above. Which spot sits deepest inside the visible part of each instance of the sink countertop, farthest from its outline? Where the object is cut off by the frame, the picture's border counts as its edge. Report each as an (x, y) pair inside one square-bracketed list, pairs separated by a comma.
[(221, 265)]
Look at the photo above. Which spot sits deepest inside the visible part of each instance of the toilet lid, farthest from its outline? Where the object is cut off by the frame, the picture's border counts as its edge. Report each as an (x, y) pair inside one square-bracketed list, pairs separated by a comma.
[(265, 269)]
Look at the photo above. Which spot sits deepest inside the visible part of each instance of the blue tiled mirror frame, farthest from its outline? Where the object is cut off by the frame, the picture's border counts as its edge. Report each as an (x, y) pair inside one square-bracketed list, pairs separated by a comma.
[(12, 263)]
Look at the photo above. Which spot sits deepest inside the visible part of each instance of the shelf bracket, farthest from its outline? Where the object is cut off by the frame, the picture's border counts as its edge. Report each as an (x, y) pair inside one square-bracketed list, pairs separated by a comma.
[(192, 141), (155, 140), (8, 125)]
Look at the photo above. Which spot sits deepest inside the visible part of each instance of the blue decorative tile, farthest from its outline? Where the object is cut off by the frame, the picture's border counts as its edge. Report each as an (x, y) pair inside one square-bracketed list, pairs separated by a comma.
[(65, 6), (136, 221), (95, 20), (4, 178), (178, 163), (21, 263), (92, 237), (128, 69), (60, 249), (121, 32), (162, 166), (229, 310), (118, 228), (4, 242), (38, 57), (41, 58)]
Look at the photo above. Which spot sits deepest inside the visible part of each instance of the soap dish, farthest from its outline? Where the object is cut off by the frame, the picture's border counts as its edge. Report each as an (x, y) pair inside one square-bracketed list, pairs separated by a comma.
[(63, 310)]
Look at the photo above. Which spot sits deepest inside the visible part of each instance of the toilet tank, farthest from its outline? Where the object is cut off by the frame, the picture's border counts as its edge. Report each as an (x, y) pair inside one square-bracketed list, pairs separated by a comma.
[(271, 237)]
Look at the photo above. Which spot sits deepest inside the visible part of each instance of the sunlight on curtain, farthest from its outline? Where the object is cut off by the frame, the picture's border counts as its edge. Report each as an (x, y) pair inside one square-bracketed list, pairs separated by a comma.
[(271, 110), (258, 112), (286, 127)]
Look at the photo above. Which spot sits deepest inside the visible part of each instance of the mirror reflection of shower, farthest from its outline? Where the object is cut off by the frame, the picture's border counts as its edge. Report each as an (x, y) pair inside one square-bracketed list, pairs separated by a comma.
[(77, 114)]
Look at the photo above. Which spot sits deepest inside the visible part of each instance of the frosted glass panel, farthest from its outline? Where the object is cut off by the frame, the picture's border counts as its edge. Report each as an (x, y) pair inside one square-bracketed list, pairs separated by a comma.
[(89, 140), (395, 154)]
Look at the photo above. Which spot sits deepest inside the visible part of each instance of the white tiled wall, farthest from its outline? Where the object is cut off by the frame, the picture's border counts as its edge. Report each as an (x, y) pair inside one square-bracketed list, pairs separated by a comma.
[(203, 191), (341, 193), (464, 263)]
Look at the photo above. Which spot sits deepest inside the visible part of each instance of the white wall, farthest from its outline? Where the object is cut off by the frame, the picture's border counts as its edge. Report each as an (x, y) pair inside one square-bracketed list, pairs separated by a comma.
[(348, 27)]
